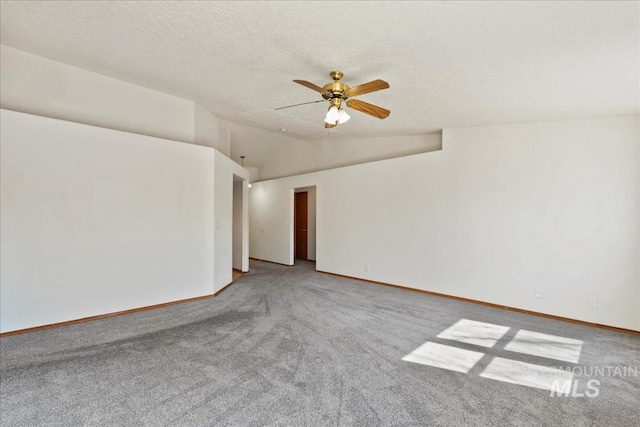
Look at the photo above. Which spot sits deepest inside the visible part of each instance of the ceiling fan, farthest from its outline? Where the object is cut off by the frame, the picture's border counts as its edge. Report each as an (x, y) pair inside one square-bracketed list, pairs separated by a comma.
[(337, 93)]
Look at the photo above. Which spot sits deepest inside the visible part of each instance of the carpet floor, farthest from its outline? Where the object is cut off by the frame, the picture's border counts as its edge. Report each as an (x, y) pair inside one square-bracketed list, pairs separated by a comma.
[(288, 346)]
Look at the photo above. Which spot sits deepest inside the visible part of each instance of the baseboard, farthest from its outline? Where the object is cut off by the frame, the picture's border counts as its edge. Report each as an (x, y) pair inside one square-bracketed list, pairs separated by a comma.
[(105, 316), (270, 262), (488, 304), (223, 289)]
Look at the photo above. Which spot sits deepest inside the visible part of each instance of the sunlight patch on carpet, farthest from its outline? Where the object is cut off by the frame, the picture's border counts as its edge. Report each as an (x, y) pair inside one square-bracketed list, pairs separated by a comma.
[(506, 368), (544, 345), (476, 333), (445, 357), (527, 374)]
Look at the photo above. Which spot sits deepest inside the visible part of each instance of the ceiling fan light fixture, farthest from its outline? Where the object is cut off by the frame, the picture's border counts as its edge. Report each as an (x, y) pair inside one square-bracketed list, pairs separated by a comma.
[(343, 117), (333, 115)]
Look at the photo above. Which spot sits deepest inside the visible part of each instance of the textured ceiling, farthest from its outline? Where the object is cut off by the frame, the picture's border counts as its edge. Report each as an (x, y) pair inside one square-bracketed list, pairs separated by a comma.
[(449, 64)]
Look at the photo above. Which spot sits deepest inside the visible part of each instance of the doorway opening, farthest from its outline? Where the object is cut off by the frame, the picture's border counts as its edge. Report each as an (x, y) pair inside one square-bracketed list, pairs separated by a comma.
[(240, 228), (304, 223)]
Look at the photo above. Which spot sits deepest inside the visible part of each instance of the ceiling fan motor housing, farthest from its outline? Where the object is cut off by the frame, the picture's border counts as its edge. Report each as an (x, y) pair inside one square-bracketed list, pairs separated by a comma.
[(335, 90)]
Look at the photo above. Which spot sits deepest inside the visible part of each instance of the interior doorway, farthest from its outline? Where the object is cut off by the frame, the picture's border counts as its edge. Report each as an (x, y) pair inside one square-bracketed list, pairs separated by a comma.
[(304, 224), (240, 228), (301, 219)]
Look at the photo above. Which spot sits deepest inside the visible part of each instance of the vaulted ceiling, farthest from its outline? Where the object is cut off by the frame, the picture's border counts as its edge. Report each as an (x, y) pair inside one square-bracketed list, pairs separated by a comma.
[(449, 64)]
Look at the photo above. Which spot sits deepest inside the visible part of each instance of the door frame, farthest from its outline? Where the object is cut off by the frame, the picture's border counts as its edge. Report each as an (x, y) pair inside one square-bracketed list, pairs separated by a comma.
[(297, 247), (315, 223)]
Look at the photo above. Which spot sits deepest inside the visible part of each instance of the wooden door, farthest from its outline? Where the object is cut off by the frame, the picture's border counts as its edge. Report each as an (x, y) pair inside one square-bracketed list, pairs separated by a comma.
[(300, 225)]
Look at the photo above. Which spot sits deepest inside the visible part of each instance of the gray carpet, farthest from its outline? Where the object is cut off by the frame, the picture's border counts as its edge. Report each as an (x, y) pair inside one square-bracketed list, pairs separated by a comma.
[(287, 346)]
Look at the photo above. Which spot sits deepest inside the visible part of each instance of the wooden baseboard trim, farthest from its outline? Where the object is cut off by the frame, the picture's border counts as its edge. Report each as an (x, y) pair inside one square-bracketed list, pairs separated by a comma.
[(488, 304), (105, 316), (223, 289), (270, 262)]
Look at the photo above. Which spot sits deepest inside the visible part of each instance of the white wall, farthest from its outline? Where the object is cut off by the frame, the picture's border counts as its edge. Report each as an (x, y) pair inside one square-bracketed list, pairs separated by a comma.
[(255, 144), (223, 213), (223, 224), (245, 224), (224, 141), (279, 154), (36, 85), (253, 173), (225, 168), (270, 216), (500, 212), (95, 221), (296, 157), (237, 224), (311, 223), (208, 132)]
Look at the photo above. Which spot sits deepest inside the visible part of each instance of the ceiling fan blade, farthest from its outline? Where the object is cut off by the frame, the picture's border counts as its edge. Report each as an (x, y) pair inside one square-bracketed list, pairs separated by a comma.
[(365, 107), (367, 87), (329, 125), (303, 103), (312, 86)]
